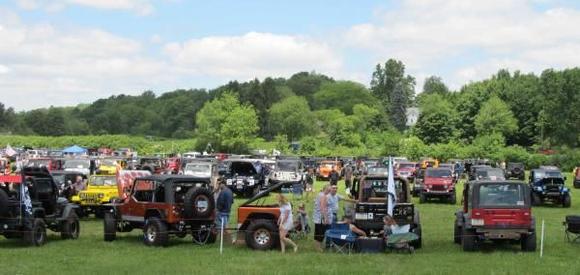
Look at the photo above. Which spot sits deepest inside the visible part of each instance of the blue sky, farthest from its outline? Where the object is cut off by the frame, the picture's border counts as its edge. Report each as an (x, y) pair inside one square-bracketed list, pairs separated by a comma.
[(65, 52)]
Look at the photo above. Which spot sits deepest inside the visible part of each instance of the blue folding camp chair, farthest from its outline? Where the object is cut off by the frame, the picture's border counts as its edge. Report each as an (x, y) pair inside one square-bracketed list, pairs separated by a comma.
[(339, 238)]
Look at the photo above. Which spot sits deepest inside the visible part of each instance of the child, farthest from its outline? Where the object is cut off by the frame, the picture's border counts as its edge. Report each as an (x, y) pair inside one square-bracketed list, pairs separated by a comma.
[(303, 218)]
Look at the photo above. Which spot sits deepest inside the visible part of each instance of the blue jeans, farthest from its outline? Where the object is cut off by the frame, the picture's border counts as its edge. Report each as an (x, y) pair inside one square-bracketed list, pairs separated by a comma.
[(222, 215)]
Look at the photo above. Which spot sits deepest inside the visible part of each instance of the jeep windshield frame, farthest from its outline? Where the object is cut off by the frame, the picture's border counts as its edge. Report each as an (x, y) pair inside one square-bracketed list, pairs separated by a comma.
[(438, 173), (494, 195), (103, 181), (266, 192)]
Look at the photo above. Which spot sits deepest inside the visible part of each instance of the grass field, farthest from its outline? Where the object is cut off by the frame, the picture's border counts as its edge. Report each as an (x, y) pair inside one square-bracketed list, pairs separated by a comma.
[(127, 255)]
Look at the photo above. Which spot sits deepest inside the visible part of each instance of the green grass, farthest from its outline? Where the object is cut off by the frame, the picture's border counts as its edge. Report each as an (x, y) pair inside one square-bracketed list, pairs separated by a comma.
[(127, 255)]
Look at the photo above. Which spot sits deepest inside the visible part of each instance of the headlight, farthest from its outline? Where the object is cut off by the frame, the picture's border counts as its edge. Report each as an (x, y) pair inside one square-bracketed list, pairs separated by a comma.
[(538, 188), (445, 186), (477, 222), (101, 195), (250, 182)]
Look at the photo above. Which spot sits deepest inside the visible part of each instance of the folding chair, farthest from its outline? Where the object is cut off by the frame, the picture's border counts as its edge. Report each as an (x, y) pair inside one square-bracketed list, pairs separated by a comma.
[(339, 238), (572, 228)]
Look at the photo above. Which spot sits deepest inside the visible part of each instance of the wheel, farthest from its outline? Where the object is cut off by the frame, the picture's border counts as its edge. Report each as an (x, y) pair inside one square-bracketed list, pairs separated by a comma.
[(71, 227), (199, 203), (36, 235), (567, 201), (262, 235), (110, 226), (528, 242), (155, 232), (456, 233), (204, 235), (468, 240), (452, 199), (3, 203), (419, 242), (422, 198), (536, 200)]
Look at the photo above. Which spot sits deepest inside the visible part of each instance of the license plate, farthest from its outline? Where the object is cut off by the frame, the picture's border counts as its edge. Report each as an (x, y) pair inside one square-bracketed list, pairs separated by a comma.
[(239, 182), (202, 204), (360, 216)]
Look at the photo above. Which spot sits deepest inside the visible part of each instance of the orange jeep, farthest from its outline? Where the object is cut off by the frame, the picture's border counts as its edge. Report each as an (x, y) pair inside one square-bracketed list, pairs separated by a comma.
[(325, 167), (257, 222)]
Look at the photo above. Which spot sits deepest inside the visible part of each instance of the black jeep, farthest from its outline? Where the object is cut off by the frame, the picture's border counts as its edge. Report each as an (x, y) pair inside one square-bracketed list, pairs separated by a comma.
[(245, 177), (30, 203), (372, 206), (515, 170)]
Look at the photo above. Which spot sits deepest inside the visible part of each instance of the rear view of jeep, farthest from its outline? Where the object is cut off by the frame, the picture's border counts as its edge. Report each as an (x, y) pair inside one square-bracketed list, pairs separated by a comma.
[(495, 210)]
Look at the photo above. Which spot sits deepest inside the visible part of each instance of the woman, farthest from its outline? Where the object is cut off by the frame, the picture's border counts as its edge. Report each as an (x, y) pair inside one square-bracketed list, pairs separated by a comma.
[(285, 223)]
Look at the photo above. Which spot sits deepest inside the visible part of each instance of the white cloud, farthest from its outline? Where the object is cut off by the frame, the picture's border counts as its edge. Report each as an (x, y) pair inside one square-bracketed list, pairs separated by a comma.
[(141, 7), (484, 34), (252, 55)]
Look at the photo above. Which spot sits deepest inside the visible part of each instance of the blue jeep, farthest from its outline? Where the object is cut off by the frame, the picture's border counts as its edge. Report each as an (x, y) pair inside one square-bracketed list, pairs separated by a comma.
[(548, 185)]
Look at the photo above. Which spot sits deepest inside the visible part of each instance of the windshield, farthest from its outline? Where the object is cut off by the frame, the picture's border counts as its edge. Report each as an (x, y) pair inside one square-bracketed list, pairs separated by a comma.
[(492, 174), (103, 181), (378, 188), (501, 195), (108, 162), (287, 166), (38, 163), (197, 167), (378, 171), (547, 174), (406, 165), (438, 173), (77, 164)]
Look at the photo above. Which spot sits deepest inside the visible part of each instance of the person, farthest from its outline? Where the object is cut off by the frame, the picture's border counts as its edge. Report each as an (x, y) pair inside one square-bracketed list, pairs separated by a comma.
[(320, 217), (334, 176), (395, 235), (78, 185), (224, 203), (333, 203), (309, 182), (348, 171), (353, 228), (302, 217), (285, 223)]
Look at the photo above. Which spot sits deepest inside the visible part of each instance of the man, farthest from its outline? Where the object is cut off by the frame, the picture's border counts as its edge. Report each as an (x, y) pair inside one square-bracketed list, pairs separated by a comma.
[(78, 185), (332, 203), (334, 176), (320, 217), (348, 177), (224, 203)]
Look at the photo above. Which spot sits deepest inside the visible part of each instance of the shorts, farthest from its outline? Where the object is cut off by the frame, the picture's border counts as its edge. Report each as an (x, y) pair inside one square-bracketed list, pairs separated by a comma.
[(218, 219), (319, 231)]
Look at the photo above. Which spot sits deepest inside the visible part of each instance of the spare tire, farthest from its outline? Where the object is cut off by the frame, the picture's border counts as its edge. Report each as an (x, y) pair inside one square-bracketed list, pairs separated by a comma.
[(3, 203), (199, 203)]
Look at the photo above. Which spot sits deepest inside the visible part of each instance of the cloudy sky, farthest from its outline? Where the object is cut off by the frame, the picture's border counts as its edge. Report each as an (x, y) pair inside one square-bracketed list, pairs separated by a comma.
[(65, 52)]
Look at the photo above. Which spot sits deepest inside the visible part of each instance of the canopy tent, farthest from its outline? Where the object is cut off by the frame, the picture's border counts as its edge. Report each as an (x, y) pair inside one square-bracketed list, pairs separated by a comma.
[(75, 149)]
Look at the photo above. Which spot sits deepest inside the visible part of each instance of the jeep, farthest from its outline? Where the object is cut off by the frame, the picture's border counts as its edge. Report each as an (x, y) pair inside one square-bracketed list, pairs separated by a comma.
[(418, 184), (29, 204), (488, 173), (372, 206), (548, 185), (152, 164), (257, 220), (49, 163), (406, 170), (438, 183), (78, 165), (515, 170), (245, 177), (288, 170), (472, 173), (164, 205), (495, 210), (325, 167), (100, 189)]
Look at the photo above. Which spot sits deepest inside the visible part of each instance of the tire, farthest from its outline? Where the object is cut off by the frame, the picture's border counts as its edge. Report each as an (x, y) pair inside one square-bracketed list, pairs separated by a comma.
[(3, 203), (419, 242), (110, 227), (456, 233), (468, 240), (198, 196), (452, 199), (262, 235), (536, 200), (36, 235), (422, 198), (155, 232), (71, 227), (567, 201), (204, 236), (528, 242)]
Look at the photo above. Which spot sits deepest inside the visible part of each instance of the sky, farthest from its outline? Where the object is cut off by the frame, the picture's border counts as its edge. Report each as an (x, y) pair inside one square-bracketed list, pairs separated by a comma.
[(67, 52)]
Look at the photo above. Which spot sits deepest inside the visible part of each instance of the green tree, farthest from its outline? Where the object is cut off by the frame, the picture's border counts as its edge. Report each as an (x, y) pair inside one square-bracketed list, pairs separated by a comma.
[(394, 90), (227, 124), (342, 95), (434, 85), (436, 123), (306, 84), (495, 117), (292, 117)]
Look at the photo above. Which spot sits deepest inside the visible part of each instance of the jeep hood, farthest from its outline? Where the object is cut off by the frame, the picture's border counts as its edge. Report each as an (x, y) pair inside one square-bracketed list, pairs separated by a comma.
[(437, 181)]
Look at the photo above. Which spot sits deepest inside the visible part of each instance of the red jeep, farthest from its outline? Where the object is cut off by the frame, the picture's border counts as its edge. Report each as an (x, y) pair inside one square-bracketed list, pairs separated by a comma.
[(439, 183), (406, 170), (172, 165), (162, 206), (495, 210)]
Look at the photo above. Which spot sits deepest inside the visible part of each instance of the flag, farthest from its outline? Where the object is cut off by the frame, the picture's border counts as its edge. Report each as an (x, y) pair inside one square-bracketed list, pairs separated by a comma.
[(9, 151), (391, 193)]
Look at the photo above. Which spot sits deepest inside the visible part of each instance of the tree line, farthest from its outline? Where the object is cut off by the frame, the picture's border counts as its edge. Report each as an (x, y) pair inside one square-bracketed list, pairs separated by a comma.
[(508, 109)]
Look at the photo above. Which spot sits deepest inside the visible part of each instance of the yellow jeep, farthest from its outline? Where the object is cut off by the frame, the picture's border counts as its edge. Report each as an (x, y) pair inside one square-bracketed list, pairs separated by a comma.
[(109, 166), (100, 189)]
